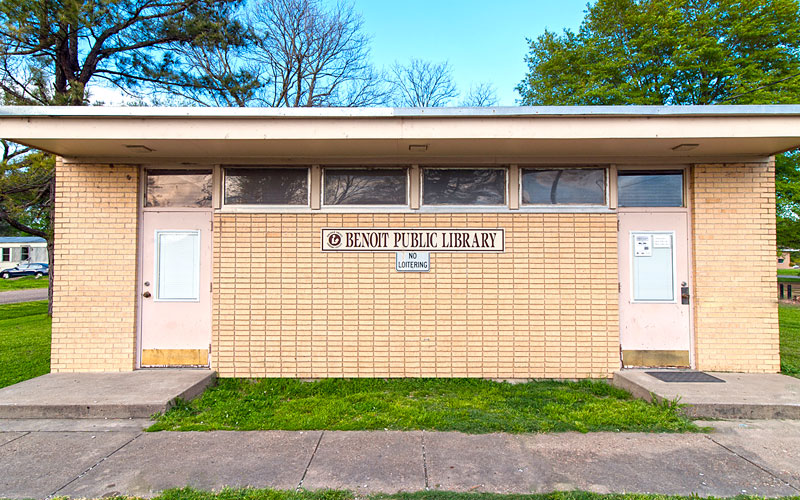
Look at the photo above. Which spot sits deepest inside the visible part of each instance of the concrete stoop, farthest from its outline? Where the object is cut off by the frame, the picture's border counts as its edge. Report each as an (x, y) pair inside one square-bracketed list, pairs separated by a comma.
[(136, 394), (741, 396)]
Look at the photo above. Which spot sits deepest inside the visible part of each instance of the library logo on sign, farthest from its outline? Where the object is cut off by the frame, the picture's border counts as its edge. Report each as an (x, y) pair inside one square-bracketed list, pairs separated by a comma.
[(334, 239)]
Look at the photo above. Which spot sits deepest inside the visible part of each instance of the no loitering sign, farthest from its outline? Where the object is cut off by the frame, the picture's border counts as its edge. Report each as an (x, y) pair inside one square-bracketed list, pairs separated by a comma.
[(412, 262), (412, 240)]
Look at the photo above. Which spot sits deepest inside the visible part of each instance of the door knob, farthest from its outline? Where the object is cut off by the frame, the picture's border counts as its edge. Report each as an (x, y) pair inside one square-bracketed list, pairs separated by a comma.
[(146, 295)]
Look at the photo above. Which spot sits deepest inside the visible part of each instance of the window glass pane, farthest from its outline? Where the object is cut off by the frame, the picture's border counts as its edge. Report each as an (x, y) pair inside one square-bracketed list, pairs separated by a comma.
[(653, 271), (266, 186), (365, 187), (586, 186), (650, 188), (25, 253), (484, 186), (178, 265), (178, 188)]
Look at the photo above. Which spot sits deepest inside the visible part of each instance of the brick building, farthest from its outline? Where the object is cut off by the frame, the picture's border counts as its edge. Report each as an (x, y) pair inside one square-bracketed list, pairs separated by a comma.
[(542, 242)]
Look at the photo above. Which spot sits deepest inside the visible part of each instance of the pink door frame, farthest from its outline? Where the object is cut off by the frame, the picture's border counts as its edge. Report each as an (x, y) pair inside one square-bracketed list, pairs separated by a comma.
[(207, 261), (670, 321), (624, 239), (188, 323)]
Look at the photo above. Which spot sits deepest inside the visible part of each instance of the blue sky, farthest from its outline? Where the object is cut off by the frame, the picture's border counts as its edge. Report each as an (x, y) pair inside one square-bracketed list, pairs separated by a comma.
[(483, 40)]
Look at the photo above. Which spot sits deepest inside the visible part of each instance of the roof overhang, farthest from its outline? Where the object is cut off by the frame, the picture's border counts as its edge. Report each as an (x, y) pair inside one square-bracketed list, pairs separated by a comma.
[(604, 134)]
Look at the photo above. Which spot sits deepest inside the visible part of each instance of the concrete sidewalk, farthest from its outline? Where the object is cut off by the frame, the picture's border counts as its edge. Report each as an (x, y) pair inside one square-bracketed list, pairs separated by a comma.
[(135, 394), (735, 395), (16, 296), (752, 457)]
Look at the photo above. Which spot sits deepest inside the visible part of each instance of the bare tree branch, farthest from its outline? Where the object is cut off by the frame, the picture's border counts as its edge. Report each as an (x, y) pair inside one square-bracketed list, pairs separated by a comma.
[(423, 84), (480, 95)]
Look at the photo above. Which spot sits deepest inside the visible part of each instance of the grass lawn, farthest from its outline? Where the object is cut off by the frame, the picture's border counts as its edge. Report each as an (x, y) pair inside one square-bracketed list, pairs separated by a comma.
[(466, 405), (789, 272), (790, 339), (24, 341), (255, 494), (23, 283)]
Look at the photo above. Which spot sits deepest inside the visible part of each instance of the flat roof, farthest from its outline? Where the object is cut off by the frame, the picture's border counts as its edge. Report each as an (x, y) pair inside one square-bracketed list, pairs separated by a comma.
[(439, 112), (523, 135)]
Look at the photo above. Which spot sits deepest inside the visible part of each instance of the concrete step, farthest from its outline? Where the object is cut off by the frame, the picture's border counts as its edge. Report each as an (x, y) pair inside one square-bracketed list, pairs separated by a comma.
[(742, 396), (119, 395)]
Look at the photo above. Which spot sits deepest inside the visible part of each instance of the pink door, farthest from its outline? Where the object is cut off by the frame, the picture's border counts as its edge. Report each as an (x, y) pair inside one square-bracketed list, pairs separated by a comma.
[(655, 322), (176, 288)]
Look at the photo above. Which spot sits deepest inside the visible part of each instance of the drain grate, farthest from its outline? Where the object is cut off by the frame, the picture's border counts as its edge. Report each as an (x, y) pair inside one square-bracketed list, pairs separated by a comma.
[(685, 377)]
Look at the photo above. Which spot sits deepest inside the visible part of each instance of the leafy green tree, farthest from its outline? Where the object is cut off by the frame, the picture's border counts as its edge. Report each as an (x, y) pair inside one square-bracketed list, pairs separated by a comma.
[(670, 52), (52, 52), (681, 52), (25, 187), (787, 198)]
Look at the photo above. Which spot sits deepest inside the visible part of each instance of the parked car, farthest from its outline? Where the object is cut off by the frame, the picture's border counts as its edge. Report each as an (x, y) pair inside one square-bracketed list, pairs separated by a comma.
[(32, 269)]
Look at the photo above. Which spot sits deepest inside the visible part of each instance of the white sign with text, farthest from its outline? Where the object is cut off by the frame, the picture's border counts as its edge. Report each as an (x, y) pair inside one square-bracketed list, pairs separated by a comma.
[(413, 262), (412, 240)]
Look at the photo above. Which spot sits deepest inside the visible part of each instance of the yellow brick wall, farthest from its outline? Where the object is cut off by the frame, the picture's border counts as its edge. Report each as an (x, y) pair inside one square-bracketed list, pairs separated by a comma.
[(736, 312), (94, 296), (547, 307)]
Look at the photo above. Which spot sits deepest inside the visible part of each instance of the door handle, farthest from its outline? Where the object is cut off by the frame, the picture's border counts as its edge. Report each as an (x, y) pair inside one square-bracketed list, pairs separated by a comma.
[(146, 295), (684, 293)]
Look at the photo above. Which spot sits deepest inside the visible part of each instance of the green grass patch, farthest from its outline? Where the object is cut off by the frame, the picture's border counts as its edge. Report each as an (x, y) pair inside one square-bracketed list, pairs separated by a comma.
[(789, 272), (24, 341), (23, 283), (465, 405), (789, 316), (268, 494)]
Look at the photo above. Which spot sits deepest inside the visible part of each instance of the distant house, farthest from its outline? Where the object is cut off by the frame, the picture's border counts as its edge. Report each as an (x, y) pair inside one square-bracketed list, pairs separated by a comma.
[(785, 258), (16, 249)]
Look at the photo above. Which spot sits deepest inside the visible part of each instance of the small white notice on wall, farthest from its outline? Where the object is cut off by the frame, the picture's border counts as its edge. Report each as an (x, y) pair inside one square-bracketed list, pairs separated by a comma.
[(643, 245), (413, 262), (662, 241)]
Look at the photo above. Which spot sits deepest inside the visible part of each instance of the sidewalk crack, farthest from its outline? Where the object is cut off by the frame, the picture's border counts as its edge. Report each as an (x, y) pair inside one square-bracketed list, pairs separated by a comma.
[(18, 437), (311, 459), (51, 495), (769, 472), (424, 461)]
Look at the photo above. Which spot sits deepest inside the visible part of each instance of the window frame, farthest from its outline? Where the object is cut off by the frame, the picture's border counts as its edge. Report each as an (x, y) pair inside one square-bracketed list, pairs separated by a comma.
[(648, 169), (259, 206), (145, 171), (566, 207), (462, 207), (24, 253), (5, 252), (343, 207), (155, 167)]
